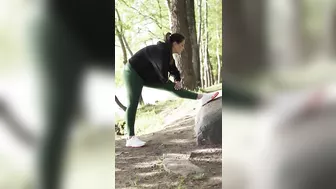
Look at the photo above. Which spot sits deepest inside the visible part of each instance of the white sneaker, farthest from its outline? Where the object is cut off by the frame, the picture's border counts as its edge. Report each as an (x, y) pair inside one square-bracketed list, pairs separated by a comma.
[(208, 97), (134, 142)]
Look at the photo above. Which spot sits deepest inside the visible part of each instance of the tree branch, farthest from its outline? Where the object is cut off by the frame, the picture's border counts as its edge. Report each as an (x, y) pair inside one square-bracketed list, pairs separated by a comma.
[(145, 16), (160, 12), (127, 46), (119, 103), (169, 6), (119, 34)]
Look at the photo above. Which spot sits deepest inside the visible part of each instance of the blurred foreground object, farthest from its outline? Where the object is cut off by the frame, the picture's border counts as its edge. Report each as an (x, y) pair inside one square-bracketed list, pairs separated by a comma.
[(283, 53), (297, 144), (74, 36)]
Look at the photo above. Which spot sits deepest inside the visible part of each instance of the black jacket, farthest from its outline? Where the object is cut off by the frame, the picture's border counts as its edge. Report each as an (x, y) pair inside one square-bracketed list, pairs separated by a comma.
[(152, 63)]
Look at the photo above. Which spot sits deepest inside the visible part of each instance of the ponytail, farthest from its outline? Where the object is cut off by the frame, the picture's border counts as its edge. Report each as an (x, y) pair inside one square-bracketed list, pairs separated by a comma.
[(167, 37), (175, 37)]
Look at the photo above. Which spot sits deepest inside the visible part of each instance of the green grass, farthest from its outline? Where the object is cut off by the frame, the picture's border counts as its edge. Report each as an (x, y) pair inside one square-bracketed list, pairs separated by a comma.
[(150, 117), (181, 183), (212, 88), (160, 106)]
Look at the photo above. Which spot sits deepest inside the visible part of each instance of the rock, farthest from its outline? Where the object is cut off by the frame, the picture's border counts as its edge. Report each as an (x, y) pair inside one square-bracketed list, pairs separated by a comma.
[(297, 148), (208, 123), (118, 153), (176, 156), (180, 166)]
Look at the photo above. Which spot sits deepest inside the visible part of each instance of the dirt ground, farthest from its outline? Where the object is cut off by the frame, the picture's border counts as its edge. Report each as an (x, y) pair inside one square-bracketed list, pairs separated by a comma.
[(142, 167)]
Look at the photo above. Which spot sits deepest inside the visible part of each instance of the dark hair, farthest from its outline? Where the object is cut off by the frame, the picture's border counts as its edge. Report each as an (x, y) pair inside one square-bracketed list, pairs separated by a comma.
[(175, 37)]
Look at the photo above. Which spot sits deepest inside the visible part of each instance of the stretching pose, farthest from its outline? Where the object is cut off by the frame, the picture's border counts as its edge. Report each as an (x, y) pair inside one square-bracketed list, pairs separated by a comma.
[(150, 67)]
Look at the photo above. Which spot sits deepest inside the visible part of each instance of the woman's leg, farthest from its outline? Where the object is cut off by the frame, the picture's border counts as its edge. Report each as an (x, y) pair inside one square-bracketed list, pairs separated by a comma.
[(63, 62), (182, 93), (134, 85)]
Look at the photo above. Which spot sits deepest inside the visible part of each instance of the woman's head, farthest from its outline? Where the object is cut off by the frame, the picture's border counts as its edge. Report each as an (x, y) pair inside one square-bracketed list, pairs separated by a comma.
[(177, 42)]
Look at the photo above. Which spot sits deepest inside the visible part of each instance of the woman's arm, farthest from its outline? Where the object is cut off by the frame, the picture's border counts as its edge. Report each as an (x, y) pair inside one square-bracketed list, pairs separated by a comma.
[(174, 71)]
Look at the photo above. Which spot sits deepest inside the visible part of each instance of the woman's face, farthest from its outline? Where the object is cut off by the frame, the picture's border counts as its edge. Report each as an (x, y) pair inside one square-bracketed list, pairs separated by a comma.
[(178, 47)]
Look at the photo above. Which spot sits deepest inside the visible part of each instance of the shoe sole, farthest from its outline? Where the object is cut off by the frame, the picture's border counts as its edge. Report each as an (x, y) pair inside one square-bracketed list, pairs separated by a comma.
[(135, 146), (213, 97)]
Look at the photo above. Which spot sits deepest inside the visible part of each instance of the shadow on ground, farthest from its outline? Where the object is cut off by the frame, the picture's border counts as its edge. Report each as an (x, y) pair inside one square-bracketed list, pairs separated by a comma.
[(142, 167)]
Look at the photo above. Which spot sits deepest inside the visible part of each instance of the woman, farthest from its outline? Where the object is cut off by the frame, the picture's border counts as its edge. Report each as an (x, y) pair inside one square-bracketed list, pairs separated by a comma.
[(150, 67)]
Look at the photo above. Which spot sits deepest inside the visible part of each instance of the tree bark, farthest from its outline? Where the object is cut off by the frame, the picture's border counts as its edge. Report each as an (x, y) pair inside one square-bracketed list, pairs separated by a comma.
[(243, 36), (193, 38), (180, 25)]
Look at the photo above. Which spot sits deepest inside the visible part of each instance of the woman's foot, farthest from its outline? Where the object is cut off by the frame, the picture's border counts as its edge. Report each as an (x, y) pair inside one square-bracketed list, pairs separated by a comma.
[(134, 142), (208, 97)]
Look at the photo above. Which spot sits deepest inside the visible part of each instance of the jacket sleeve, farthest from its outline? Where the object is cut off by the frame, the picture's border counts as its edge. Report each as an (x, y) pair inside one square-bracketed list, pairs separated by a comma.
[(174, 71)]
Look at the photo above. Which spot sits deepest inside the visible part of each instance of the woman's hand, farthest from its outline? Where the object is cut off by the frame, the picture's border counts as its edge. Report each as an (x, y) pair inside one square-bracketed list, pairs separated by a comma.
[(178, 85)]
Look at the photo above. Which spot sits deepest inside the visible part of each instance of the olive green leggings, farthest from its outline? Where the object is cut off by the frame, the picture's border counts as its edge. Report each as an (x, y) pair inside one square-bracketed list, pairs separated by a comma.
[(134, 85)]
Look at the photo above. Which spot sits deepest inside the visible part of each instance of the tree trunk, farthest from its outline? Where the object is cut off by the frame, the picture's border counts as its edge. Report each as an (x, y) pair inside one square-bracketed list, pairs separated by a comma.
[(206, 67), (180, 25), (327, 45), (285, 44), (119, 35), (193, 38), (124, 45), (200, 23), (334, 30), (202, 66), (218, 57), (211, 76), (199, 42), (243, 36), (206, 51), (127, 46), (119, 103)]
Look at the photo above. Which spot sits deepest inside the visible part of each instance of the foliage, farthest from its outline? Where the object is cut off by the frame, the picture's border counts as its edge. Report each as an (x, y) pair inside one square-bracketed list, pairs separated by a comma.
[(145, 22)]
